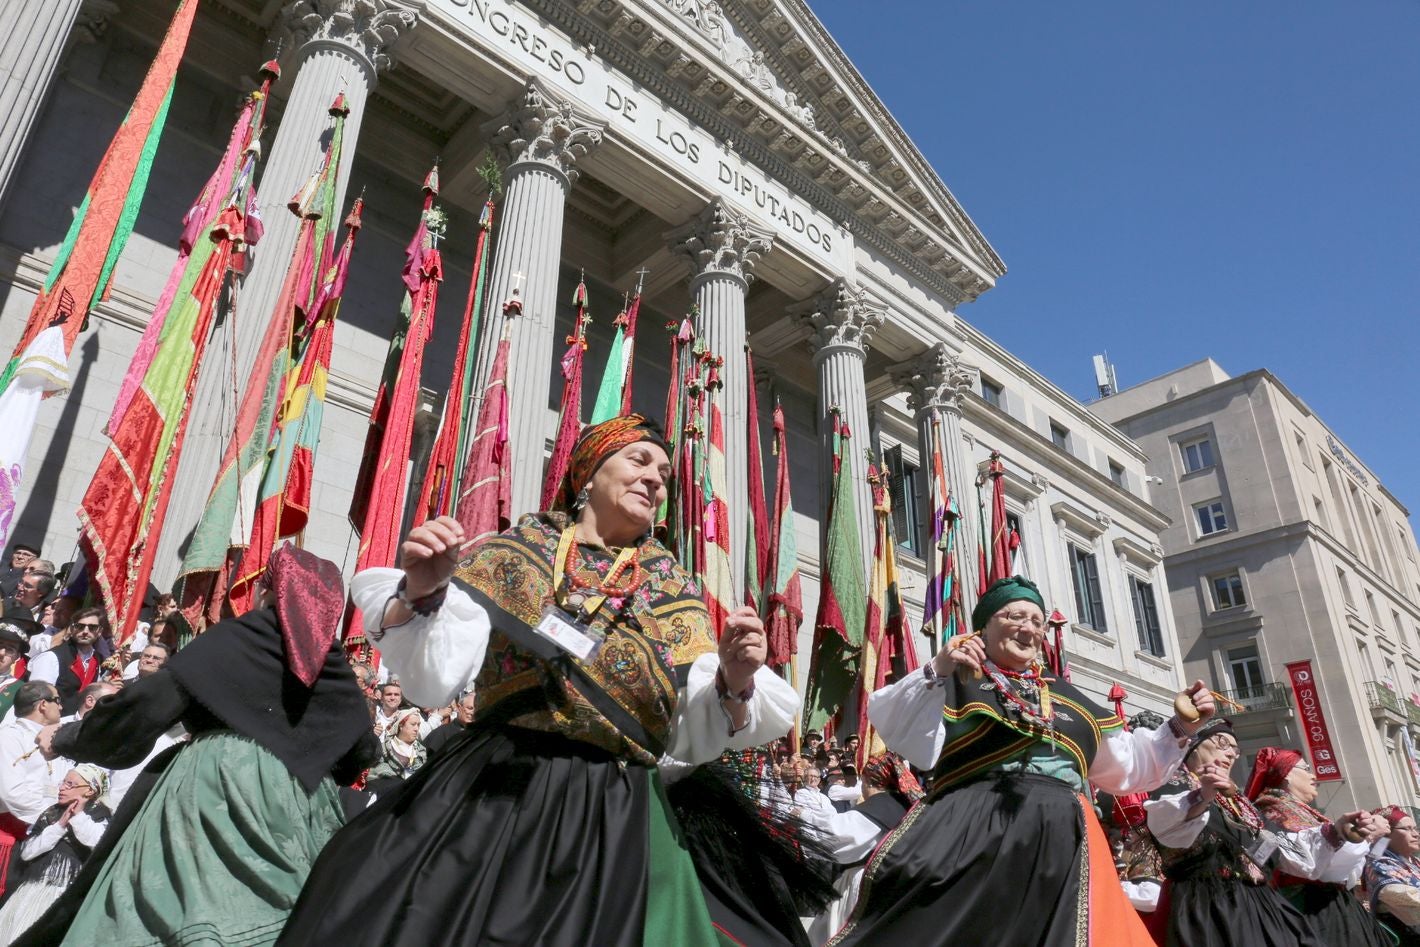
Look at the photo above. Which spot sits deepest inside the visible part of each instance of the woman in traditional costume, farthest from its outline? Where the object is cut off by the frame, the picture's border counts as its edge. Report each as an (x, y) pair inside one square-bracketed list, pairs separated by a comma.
[(1392, 877), (593, 655), (1283, 787), (403, 752), (1219, 855), (59, 842), (889, 789), (218, 850), (1005, 849)]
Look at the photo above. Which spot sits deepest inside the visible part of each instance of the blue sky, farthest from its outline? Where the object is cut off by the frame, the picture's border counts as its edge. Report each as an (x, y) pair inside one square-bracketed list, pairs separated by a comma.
[(1174, 181)]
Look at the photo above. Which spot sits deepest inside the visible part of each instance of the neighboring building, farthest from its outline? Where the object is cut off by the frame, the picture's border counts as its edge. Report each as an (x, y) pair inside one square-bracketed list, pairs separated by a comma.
[(1284, 547), (728, 151)]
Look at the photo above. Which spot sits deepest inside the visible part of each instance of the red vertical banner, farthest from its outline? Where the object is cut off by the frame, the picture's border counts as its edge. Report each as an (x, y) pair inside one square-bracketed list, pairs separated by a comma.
[(1324, 762)]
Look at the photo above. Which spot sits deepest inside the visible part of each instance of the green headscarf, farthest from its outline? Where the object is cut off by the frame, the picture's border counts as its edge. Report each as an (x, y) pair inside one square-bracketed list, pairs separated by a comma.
[(1002, 593)]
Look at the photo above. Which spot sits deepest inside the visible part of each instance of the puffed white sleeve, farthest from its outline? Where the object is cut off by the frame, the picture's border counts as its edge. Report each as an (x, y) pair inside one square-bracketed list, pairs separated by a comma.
[(850, 835), (908, 716), (86, 829), (1169, 823), (1310, 854), (42, 841), (1144, 895), (434, 656), (1136, 760), (701, 728)]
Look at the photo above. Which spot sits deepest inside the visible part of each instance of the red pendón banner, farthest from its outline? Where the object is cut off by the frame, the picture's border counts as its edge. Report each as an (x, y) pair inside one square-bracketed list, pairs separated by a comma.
[(1304, 686)]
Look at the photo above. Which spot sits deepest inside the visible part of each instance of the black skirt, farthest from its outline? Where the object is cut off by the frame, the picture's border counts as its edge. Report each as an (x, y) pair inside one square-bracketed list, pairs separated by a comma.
[(1209, 911), (1332, 915), (999, 861), (507, 837)]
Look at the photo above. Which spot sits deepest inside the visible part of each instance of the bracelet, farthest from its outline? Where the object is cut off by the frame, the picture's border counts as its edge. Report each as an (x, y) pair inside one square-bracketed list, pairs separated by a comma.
[(722, 687), (424, 605), (1176, 726)]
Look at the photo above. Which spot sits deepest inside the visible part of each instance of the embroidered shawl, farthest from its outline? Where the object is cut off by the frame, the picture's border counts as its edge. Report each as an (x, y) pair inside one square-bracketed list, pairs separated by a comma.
[(652, 638)]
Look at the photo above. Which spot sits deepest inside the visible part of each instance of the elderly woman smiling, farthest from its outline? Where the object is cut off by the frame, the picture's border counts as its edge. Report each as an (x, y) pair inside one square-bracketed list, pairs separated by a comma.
[(1004, 849), (1283, 788), (594, 657)]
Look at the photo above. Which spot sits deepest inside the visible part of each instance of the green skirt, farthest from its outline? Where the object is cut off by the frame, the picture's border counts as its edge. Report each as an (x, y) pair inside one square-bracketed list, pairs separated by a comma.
[(217, 854)]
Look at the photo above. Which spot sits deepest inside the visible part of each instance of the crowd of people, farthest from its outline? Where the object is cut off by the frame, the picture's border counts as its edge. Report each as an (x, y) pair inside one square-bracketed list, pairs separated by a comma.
[(557, 746)]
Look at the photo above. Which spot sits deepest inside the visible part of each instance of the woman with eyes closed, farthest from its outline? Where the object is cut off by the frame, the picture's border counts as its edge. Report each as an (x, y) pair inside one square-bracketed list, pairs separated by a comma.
[(1005, 848), (592, 658)]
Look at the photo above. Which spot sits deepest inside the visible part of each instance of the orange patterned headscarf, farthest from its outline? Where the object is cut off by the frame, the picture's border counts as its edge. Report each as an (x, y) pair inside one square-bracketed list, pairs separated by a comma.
[(596, 444)]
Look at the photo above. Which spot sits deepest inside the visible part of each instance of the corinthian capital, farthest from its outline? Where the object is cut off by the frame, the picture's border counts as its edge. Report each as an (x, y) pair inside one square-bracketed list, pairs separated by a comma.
[(937, 378), (539, 127), (370, 27), (840, 316), (723, 242)]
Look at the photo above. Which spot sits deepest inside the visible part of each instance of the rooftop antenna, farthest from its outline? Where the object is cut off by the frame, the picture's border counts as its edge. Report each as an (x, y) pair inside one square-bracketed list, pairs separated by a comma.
[(1105, 378)]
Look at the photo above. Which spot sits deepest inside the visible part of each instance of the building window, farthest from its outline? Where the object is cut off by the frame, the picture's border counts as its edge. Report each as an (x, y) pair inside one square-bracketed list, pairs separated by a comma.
[(1399, 627), (1375, 612), (1116, 473), (1211, 518), (991, 392), (1197, 454), (1245, 669), (1146, 617), (1345, 584), (1404, 542), (1018, 544), (906, 501), (1228, 591), (1320, 509), (1089, 600), (1059, 436), (1302, 451)]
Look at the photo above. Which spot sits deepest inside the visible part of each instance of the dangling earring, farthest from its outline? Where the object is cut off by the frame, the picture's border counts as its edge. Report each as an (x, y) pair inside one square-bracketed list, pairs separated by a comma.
[(580, 500)]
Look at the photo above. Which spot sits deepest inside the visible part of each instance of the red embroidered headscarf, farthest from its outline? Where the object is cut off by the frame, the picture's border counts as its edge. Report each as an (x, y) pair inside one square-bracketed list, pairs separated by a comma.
[(1392, 814), (889, 771), (310, 598), (1270, 769), (599, 442)]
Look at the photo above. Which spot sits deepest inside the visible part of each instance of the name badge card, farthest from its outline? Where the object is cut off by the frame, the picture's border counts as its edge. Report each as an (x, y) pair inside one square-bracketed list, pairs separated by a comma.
[(573, 637)]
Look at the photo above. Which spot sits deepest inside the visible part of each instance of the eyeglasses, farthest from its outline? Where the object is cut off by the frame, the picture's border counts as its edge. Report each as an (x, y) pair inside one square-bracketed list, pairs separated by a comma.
[(73, 785), (1022, 618), (91, 625)]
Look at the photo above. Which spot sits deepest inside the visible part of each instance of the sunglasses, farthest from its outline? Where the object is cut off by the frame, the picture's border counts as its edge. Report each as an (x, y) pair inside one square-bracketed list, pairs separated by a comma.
[(91, 625)]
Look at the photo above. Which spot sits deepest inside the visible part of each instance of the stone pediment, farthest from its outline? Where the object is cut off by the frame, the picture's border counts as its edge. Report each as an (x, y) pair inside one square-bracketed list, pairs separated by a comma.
[(767, 78)]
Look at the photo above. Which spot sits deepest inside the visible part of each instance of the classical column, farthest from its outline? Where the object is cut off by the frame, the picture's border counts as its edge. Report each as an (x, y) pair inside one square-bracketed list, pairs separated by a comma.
[(338, 46), (936, 382), (540, 138), (723, 247), (32, 39), (843, 320)]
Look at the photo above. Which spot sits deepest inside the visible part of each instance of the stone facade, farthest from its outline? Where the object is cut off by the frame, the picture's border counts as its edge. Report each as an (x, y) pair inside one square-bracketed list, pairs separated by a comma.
[(1284, 547), (634, 137)]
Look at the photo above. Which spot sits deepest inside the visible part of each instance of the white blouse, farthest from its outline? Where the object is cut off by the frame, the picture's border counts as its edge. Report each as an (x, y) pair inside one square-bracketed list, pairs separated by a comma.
[(908, 716), (438, 656), (1306, 854)]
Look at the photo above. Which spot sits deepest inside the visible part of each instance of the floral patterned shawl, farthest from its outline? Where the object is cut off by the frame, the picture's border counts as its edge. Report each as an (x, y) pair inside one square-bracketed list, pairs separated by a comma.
[(652, 638)]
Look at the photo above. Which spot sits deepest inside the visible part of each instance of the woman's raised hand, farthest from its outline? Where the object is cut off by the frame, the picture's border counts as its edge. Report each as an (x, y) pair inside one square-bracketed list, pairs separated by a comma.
[(966, 651), (743, 647), (429, 555)]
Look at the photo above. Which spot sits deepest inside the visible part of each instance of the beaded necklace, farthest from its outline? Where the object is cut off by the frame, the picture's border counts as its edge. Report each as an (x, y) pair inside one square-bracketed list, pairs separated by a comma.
[(1029, 684), (630, 558)]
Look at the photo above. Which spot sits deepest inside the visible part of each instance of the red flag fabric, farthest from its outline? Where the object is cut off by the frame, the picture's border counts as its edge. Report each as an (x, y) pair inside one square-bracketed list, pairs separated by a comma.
[(1000, 527), (377, 508), (716, 579), (436, 497), (786, 599), (757, 562), (81, 276), (485, 504), (569, 415)]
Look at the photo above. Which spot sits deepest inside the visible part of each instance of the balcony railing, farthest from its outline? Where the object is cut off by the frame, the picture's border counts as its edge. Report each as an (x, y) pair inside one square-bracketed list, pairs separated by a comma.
[(1381, 697), (1412, 711), (1270, 696)]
